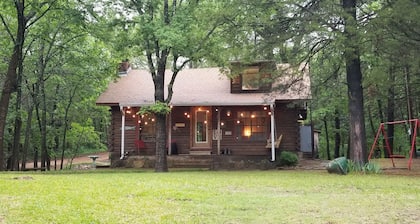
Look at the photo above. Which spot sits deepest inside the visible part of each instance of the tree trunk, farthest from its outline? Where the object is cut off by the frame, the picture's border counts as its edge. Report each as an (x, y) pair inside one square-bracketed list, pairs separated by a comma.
[(66, 124), (45, 161), (358, 148), (337, 134), (381, 117), (409, 107), (327, 138), (27, 136), (9, 85), (161, 160), (16, 147)]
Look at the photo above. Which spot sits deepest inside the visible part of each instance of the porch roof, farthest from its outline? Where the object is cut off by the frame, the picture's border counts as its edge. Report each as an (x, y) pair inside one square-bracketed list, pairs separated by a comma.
[(195, 87)]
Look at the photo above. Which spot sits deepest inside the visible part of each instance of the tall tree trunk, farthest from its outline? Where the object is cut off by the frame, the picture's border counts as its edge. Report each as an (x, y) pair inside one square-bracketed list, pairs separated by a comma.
[(381, 117), (161, 160), (66, 124), (327, 138), (358, 147), (390, 110), (409, 107), (18, 121), (45, 161), (27, 136), (9, 85), (337, 134)]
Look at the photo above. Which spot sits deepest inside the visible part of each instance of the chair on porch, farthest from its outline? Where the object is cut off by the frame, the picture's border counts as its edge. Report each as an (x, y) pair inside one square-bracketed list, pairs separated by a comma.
[(139, 145), (276, 143)]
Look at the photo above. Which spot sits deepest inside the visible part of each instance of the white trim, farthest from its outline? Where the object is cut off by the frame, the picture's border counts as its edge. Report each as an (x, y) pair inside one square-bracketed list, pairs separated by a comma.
[(170, 133), (218, 130), (272, 127), (122, 132)]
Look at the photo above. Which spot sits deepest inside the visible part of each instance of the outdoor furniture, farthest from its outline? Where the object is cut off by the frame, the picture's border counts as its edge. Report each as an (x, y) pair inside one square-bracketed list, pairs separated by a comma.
[(276, 143), (93, 157), (139, 145)]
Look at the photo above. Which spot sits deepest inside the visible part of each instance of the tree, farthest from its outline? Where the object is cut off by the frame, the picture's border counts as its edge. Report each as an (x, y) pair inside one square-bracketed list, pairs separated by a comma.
[(358, 146), (170, 34), (26, 15)]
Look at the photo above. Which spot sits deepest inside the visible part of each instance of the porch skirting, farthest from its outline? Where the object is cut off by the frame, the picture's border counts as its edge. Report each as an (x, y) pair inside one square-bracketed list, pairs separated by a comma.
[(211, 162)]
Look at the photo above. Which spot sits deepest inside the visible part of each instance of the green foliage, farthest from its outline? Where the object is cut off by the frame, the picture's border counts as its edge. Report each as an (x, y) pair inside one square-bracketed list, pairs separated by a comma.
[(288, 159), (83, 138), (367, 168), (159, 108)]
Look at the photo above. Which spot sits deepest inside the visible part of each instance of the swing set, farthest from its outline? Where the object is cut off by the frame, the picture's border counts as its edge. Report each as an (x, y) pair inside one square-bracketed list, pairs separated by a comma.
[(414, 123)]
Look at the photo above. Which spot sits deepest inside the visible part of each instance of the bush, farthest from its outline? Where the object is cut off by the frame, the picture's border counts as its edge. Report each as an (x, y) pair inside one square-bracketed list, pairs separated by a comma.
[(288, 159), (368, 168)]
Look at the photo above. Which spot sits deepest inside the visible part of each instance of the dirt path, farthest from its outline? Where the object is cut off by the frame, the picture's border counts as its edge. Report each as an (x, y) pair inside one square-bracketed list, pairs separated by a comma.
[(103, 158)]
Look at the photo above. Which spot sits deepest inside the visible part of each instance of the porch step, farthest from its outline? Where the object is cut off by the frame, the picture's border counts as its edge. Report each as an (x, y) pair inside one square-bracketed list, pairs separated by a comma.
[(200, 152), (191, 161)]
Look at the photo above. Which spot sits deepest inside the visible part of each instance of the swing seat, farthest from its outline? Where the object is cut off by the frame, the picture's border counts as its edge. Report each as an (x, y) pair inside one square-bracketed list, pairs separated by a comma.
[(397, 156), (276, 143)]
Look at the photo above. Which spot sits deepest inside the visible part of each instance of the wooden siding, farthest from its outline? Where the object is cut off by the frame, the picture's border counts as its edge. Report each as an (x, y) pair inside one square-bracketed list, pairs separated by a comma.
[(181, 135)]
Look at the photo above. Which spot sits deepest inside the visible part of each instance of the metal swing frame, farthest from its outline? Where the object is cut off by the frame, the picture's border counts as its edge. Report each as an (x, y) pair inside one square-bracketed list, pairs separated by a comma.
[(381, 130)]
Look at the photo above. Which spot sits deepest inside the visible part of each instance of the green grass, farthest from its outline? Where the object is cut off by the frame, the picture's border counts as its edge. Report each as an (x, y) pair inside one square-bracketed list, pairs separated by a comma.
[(132, 196)]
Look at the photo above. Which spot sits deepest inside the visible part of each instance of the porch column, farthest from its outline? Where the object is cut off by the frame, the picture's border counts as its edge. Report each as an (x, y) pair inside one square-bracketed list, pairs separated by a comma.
[(122, 132), (273, 138), (170, 132), (218, 131)]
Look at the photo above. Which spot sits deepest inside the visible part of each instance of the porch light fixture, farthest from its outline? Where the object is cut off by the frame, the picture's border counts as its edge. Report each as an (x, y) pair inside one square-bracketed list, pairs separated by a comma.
[(228, 113)]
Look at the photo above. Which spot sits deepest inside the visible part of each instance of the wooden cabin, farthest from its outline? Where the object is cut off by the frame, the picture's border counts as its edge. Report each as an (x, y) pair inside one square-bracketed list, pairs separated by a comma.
[(213, 114)]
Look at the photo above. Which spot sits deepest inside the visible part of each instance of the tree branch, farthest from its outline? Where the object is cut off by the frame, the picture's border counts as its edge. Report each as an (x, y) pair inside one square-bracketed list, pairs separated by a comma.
[(7, 29)]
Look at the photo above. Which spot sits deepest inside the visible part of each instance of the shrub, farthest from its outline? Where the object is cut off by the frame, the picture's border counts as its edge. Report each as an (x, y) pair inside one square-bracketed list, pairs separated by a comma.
[(288, 159), (368, 168)]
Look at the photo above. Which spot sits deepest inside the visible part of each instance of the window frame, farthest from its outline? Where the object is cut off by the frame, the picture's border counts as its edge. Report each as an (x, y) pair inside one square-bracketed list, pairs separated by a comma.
[(257, 121)]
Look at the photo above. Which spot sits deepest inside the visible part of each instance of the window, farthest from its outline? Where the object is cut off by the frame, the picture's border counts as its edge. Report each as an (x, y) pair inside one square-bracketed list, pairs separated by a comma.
[(200, 126), (251, 125), (147, 127), (252, 79)]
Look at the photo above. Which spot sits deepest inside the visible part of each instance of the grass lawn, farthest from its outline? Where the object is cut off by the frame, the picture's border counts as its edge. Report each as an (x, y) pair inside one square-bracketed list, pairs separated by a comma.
[(138, 196)]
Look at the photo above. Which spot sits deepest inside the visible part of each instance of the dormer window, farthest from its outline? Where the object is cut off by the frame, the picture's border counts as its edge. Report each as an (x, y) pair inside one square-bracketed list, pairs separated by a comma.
[(251, 78)]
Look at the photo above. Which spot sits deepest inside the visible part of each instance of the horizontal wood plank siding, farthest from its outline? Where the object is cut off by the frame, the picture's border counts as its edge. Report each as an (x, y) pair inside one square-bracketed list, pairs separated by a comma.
[(181, 135)]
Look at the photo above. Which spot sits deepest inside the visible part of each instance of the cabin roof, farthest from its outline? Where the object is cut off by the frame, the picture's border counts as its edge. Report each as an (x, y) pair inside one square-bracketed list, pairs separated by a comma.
[(193, 87)]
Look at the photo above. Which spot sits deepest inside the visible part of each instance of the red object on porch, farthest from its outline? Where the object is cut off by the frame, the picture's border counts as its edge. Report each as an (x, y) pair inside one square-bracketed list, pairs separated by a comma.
[(381, 130), (140, 145)]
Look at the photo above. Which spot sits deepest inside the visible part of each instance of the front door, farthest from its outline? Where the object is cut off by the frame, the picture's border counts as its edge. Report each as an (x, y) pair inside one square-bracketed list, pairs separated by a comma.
[(201, 127)]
